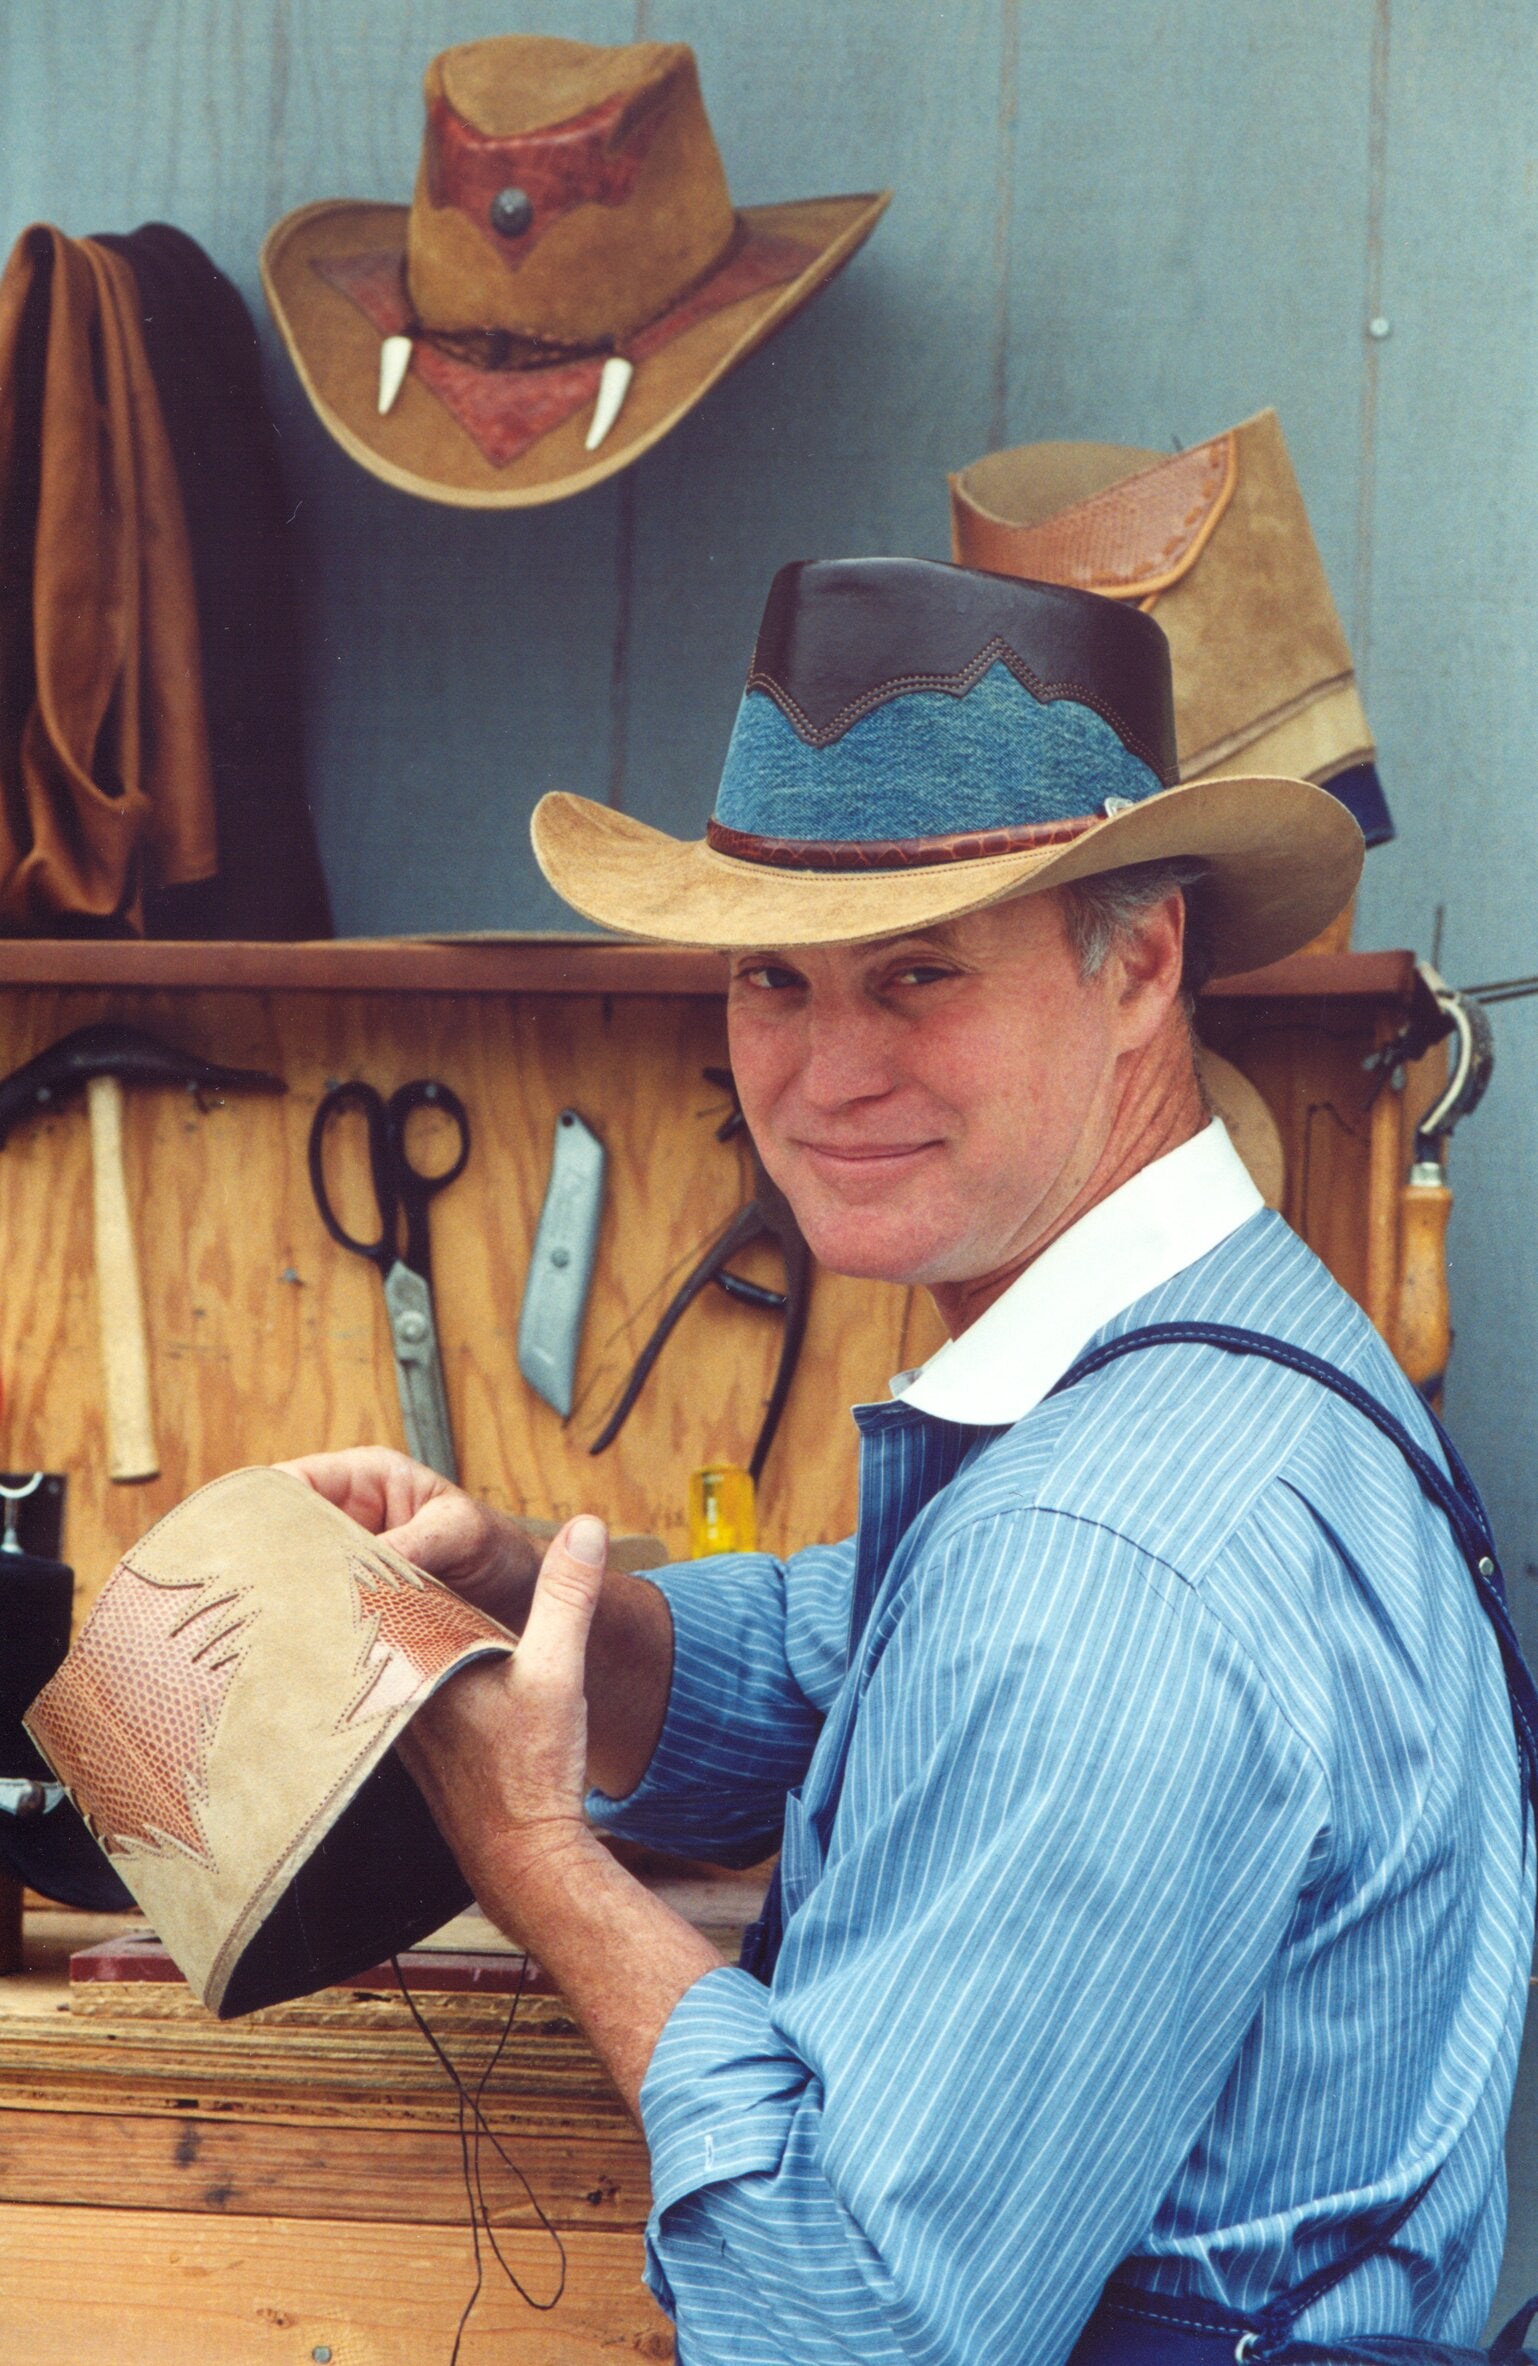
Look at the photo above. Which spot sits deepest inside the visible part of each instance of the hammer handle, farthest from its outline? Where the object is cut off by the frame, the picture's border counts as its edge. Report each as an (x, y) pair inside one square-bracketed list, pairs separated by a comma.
[(120, 1301), (1423, 1327)]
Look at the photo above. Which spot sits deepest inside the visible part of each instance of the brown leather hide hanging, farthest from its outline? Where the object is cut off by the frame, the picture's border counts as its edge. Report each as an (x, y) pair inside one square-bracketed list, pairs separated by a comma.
[(104, 767)]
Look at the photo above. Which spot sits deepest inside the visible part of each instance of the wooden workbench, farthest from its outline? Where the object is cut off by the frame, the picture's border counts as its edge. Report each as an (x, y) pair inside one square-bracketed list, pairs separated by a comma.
[(176, 2190)]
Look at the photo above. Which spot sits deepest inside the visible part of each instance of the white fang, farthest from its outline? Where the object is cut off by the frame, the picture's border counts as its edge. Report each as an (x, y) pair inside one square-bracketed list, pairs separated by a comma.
[(613, 386), (394, 362)]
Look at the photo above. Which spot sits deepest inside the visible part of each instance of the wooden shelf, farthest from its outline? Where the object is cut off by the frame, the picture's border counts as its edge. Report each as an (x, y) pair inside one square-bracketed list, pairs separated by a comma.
[(552, 964)]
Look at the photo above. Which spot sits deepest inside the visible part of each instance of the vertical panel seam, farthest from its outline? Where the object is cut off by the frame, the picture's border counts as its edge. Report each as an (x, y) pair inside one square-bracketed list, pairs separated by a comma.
[(624, 588), (1377, 162), (619, 663), (1003, 221), (277, 111)]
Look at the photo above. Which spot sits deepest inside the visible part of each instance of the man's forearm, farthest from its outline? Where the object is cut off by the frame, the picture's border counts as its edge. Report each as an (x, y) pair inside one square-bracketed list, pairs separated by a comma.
[(619, 1957)]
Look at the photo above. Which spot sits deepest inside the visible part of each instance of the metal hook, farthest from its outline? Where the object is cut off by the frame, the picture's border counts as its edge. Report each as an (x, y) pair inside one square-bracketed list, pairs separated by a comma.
[(10, 1542)]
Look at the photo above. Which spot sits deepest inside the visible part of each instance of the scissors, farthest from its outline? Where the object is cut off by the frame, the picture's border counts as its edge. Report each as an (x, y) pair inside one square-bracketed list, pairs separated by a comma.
[(401, 1191)]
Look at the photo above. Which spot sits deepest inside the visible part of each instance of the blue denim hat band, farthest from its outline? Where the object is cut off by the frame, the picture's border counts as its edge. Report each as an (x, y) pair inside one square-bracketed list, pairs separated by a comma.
[(928, 765)]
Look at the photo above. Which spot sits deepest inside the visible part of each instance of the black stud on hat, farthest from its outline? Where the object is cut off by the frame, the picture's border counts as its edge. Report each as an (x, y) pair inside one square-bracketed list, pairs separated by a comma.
[(917, 741)]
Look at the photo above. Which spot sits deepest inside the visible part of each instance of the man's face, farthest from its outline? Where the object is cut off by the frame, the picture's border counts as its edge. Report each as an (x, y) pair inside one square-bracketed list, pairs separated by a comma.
[(931, 1105)]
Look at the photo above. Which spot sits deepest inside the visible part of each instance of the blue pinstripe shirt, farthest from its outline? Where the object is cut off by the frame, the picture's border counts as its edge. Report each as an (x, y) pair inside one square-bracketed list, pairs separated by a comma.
[(1174, 1908)]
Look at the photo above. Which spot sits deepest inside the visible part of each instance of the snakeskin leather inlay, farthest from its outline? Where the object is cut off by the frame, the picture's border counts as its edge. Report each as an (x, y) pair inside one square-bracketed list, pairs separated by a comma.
[(130, 1717), (891, 854), (414, 1631), (1126, 541)]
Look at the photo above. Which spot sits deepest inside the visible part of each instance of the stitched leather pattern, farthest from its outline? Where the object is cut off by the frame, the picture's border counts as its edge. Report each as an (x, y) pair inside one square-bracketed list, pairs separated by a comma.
[(1127, 542), (413, 1634), (954, 685), (129, 1719), (890, 854)]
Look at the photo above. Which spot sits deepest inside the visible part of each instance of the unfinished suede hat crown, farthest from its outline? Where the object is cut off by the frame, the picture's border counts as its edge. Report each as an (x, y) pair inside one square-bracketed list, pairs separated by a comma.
[(566, 194), (917, 741), (570, 279), (226, 1723)]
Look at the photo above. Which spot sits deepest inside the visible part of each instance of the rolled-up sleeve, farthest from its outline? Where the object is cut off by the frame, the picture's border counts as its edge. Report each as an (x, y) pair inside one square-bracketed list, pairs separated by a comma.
[(759, 1648), (1074, 1823)]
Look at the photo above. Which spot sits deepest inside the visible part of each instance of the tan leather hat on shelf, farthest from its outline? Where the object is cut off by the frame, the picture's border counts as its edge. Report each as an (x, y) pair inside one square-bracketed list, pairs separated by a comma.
[(568, 282), (225, 1723), (1215, 544)]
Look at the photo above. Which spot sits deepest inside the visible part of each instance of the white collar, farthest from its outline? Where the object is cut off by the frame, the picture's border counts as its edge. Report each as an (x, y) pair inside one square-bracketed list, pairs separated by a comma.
[(1169, 1214)]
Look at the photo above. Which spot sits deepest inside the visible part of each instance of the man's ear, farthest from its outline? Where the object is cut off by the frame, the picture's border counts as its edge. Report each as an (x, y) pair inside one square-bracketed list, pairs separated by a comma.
[(1149, 959)]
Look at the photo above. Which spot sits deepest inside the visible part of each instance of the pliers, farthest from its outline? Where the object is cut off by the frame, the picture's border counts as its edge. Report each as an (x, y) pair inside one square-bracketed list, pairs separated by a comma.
[(767, 1213)]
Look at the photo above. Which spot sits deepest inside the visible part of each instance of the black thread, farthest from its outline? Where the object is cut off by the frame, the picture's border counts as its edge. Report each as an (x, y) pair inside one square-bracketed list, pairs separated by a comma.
[(470, 2160)]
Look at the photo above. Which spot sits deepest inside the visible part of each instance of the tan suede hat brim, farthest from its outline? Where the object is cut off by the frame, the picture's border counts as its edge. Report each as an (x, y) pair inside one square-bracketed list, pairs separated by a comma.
[(421, 448), (1283, 856)]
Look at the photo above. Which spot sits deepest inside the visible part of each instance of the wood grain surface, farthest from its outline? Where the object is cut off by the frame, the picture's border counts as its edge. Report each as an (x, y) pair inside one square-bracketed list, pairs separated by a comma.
[(156, 2288), (267, 1340)]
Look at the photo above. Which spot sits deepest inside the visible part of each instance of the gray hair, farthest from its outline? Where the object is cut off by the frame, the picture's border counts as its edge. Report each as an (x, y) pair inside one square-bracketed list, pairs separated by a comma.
[(1098, 911)]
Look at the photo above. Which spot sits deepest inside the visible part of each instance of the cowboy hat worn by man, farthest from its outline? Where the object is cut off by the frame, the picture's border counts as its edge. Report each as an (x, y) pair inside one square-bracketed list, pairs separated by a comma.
[(1152, 1889)]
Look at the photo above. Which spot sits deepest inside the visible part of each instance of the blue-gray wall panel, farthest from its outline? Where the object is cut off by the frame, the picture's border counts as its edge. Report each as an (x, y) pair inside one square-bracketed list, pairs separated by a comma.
[(1190, 220), (834, 438)]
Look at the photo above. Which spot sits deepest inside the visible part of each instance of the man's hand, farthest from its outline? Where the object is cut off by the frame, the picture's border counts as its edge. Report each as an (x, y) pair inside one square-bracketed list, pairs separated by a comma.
[(499, 1754), (482, 1554), (501, 1751), (486, 1556)]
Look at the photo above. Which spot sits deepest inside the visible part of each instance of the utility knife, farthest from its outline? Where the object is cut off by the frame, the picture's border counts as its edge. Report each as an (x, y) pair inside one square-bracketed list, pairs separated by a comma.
[(555, 1294)]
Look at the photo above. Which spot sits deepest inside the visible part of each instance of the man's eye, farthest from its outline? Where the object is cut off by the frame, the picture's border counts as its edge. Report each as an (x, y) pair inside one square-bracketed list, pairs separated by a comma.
[(921, 973), (768, 977)]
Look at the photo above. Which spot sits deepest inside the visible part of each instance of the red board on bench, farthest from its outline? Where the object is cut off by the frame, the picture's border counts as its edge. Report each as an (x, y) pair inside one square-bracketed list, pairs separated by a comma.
[(427, 1971)]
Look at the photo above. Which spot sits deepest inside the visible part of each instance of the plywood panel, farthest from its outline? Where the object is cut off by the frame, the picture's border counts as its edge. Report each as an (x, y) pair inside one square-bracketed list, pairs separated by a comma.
[(267, 1340), (272, 2170), (102, 2287)]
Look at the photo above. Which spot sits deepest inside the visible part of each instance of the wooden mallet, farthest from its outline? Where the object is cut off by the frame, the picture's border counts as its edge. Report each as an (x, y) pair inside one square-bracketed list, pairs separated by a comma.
[(102, 1060)]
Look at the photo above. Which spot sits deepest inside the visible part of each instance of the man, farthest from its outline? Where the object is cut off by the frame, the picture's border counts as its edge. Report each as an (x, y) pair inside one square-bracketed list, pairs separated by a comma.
[(1152, 1881)]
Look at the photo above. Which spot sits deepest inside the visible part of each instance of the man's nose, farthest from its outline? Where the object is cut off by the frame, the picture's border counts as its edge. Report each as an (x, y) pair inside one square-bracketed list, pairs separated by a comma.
[(847, 1057)]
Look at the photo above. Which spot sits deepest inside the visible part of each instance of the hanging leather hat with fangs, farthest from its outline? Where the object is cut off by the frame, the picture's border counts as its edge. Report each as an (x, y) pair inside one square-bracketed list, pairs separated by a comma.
[(570, 279), (226, 1724)]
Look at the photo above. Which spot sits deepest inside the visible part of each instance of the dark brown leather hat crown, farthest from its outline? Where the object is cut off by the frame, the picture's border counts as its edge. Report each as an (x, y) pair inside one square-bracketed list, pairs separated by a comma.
[(841, 637)]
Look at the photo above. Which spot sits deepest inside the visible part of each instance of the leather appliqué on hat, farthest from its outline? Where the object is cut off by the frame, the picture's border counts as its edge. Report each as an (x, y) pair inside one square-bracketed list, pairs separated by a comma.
[(130, 1720), (505, 411), (592, 160), (413, 1633), (1130, 541), (891, 854)]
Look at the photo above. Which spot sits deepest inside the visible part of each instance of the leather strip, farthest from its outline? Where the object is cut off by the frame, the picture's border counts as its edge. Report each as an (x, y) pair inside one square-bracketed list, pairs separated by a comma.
[(954, 685), (593, 159), (505, 411), (1130, 542), (891, 854)]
